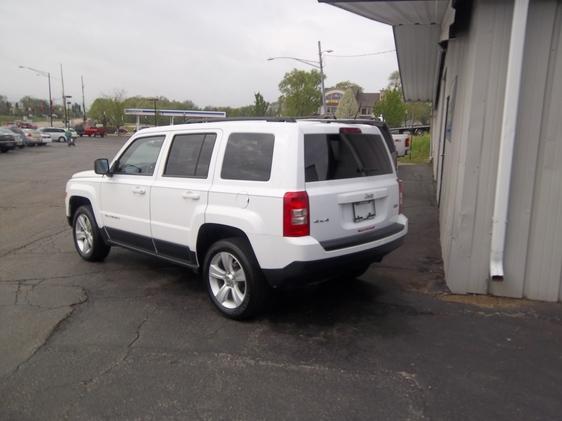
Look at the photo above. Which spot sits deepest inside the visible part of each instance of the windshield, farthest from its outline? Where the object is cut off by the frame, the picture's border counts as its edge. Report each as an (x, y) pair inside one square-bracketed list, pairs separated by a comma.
[(340, 156)]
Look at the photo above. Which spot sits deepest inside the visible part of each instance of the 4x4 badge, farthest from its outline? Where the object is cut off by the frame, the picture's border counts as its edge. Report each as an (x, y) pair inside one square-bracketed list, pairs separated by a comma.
[(320, 221), (369, 196)]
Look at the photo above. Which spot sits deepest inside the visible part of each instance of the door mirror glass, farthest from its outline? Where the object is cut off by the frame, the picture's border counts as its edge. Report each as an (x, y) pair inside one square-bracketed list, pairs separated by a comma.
[(101, 166)]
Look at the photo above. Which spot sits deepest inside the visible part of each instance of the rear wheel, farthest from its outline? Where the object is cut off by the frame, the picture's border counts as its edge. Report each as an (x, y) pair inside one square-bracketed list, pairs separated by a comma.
[(3, 150), (235, 282), (87, 236), (62, 139)]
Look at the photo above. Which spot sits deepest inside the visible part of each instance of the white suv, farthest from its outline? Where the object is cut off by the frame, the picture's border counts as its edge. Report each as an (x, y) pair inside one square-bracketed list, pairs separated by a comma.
[(252, 204)]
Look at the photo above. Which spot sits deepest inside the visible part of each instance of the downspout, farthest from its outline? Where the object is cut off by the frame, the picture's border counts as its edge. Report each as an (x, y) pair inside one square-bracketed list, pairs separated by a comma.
[(507, 139)]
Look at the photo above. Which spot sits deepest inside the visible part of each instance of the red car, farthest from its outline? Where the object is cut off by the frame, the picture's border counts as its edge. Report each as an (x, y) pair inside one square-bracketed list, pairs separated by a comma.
[(94, 131)]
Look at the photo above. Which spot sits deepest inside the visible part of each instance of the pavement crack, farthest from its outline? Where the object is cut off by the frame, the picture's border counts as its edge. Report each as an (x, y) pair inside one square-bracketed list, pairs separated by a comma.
[(125, 356), (49, 336), (15, 249)]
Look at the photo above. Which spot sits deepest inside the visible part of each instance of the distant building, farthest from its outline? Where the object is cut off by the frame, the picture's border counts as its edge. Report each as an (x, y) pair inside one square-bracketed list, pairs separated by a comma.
[(365, 101)]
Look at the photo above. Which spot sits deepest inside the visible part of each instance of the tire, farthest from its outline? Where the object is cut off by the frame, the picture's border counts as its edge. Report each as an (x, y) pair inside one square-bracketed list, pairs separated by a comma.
[(91, 246), (3, 150), (234, 298), (61, 140)]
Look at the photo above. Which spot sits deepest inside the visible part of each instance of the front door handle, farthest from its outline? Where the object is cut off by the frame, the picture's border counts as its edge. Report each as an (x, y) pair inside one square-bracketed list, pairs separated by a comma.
[(191, 195), (139, 190)]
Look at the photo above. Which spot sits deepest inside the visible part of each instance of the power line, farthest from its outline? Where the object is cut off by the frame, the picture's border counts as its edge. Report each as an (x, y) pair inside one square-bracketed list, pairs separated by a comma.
[(378, 53)]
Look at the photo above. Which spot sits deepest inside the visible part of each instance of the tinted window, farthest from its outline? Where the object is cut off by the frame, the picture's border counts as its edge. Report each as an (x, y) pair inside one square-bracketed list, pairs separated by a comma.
[(248, 157), (190, 155), (140, 157), (335, 156)]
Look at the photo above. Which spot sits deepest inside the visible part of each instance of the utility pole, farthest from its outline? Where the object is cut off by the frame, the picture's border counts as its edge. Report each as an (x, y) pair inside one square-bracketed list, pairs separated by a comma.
[(83, 101), (323, 107), (63, 98), (48, 75)]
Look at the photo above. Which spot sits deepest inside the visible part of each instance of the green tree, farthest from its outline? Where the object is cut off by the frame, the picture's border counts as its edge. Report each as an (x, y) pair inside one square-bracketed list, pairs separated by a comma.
[(394, 81), (109, 110), (419, 111), (391, 107), (348, 106), (346, 84), (300, 92), (260, 105)]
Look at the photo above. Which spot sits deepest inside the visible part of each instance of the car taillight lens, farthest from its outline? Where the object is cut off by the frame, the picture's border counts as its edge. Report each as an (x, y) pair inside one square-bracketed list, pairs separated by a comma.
[(400, 195), (350, 130), (407, 142), (296, 222)]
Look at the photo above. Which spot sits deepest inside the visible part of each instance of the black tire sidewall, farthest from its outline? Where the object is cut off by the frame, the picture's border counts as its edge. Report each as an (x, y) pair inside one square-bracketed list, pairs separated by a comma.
[(99, 249), (243, 253)]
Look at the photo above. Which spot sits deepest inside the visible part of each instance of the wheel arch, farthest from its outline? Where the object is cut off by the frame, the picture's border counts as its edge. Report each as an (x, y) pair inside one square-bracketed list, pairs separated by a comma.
[(210, 233)]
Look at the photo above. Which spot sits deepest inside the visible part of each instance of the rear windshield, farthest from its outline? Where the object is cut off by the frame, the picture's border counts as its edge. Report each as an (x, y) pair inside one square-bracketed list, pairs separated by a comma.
[(339, 156)]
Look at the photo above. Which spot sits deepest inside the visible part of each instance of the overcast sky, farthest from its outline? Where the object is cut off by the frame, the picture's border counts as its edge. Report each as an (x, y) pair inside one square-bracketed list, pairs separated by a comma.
[(212, 52)]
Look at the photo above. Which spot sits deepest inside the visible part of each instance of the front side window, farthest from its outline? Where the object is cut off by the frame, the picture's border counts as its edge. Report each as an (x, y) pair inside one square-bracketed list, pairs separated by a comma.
[(140, 157), (248, 156), (190, 155), (339, 156)]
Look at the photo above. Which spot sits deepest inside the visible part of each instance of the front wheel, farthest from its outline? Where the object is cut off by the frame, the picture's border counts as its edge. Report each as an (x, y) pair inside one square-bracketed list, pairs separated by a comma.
[(87, 236), (235, 282)]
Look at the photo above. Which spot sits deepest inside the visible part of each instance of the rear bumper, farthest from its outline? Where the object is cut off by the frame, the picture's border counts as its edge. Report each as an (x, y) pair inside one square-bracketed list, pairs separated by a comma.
[(302, 273)]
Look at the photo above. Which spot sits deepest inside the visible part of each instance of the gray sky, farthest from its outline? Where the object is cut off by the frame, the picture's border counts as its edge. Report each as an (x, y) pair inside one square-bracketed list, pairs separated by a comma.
[(212, 52)]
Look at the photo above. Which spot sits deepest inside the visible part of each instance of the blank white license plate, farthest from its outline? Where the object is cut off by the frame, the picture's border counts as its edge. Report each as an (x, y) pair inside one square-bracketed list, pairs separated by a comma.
[(363, 210)]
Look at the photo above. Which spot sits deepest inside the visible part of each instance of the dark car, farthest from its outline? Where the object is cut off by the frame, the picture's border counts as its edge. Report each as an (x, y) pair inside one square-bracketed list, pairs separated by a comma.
[(7, 140), (22, 141)]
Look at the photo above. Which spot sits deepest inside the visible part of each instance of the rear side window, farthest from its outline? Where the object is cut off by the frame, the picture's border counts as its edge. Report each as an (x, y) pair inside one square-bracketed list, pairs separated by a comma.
[(190, 155), (339, 156), (248, 156)]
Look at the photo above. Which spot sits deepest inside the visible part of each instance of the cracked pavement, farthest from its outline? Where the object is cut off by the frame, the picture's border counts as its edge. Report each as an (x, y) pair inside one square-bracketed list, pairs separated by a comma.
[(136, 338)]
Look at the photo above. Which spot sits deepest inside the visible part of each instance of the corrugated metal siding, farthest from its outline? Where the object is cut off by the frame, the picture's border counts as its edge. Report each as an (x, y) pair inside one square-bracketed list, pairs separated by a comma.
[(544, 260), (533, 91), (418, 54), (398, 13), (534, 243)]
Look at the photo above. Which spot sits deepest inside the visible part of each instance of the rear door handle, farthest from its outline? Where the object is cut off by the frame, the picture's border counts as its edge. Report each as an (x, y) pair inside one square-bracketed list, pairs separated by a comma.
[(139, 190), (191, 195)]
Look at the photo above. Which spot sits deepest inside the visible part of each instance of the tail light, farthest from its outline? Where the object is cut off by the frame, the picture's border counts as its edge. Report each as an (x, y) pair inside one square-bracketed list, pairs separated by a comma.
[(407, 142), (400, 195), (296, 215), (350, 130)]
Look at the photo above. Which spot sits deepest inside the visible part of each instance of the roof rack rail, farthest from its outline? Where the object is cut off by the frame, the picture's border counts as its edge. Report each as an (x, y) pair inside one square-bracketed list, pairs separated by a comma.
[(228, 119)]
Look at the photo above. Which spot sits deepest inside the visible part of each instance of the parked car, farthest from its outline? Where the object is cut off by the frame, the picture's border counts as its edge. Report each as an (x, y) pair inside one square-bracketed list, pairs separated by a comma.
[(74, 134), (20, 136), (253, 204), (94, 131), (56, 134), (34, 137), (79, 128), (402, 143), (7, 140)]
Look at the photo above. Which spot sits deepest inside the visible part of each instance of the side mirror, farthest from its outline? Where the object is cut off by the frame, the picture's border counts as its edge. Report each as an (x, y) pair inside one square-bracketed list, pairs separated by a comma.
[(101, 166)]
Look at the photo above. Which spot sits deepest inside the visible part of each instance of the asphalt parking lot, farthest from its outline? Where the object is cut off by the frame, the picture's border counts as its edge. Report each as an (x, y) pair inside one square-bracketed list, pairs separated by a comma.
[(135, 338)]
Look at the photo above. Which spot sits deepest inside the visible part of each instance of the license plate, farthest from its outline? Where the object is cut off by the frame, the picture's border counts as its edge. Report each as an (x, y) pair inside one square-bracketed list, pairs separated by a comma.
[(363, 210)]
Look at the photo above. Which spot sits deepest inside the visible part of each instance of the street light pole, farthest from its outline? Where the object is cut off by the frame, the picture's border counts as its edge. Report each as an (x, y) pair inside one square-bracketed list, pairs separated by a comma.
[(317, 64), (83, 101), (154, 103), (48, 75), (63, 98), (323, 107)]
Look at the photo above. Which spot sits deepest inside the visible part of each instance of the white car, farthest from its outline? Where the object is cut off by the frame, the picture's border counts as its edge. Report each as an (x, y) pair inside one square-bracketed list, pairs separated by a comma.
[(402, 143), (251, 204), (56, 134)]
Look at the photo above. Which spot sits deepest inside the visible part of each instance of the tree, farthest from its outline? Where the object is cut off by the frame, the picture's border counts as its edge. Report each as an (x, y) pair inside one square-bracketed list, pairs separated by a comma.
[(419, 111), (391, 107), (260, 105), (300, 92), (348, 106), (394, 81), (346, 84), (109, 109)]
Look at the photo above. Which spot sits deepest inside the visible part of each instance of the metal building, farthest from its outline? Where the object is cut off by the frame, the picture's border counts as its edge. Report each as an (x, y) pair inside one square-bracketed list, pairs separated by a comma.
[(493, 70)]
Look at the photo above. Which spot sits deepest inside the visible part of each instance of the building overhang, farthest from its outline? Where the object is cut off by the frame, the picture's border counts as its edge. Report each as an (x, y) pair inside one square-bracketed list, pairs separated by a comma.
[(419, 27)]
